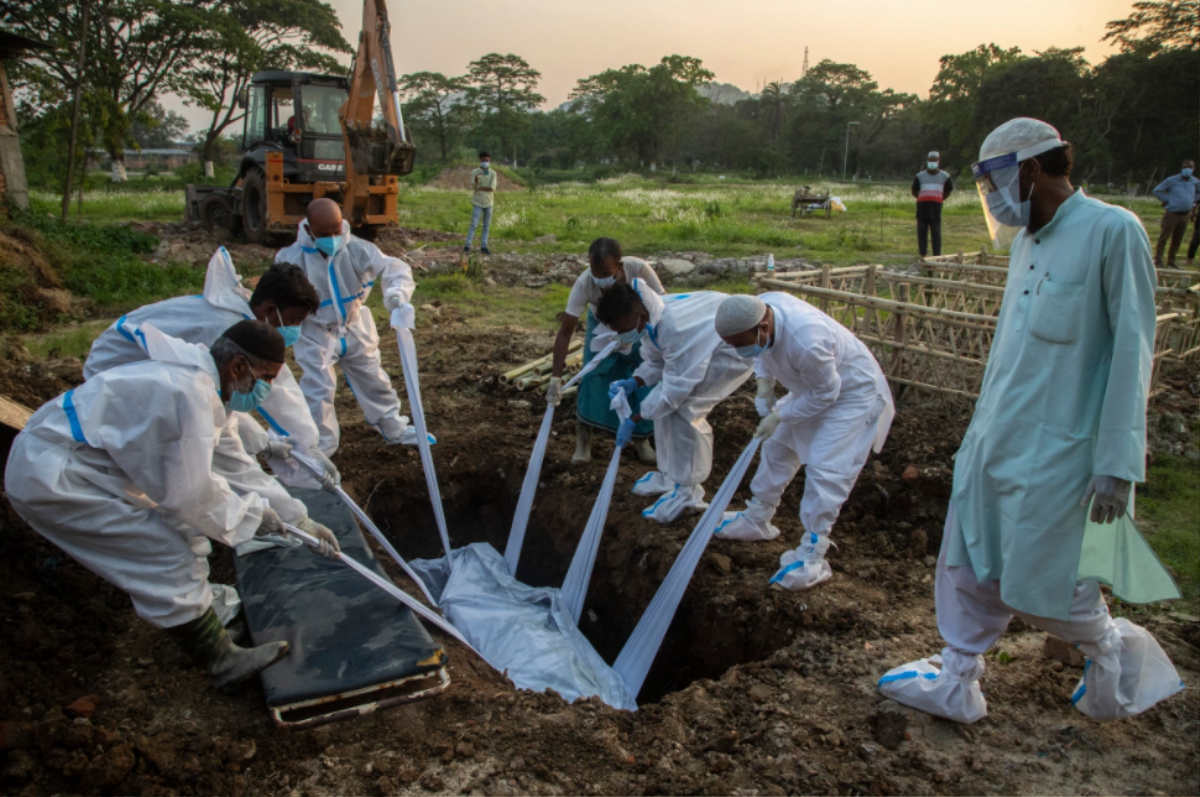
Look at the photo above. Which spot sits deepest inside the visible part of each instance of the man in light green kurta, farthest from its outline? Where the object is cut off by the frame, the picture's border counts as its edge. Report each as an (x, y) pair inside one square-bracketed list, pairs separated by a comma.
[(1060, 425)]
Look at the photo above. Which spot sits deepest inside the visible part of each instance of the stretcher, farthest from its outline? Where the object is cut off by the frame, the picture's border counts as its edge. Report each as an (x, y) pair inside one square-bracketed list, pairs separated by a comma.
[(354, 649)]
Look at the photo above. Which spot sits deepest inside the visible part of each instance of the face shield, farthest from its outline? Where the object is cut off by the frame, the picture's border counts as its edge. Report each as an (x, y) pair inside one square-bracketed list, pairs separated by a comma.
[(998, 180)]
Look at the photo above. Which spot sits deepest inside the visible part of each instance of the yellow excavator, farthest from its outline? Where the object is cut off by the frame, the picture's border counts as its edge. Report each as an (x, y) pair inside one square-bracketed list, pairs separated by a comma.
[(307, 136)]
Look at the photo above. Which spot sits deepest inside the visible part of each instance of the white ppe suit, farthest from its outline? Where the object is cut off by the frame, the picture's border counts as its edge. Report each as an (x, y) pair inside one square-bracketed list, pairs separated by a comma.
[(1063, 398), (202, 319), (135, 471), (837, 409), (343, 332), (691, 370)]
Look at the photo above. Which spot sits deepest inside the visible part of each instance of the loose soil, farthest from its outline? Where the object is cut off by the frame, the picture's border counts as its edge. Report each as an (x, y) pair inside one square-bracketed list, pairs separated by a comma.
[(458, 178), (756, 691)]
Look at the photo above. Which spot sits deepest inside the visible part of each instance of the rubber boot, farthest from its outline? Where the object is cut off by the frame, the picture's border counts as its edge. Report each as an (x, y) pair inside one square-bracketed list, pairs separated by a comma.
[(583, 444), (645, 452), (206, 642)]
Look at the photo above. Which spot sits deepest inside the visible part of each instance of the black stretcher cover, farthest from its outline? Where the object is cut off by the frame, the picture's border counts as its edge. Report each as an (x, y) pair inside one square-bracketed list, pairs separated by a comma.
[(345, 633)]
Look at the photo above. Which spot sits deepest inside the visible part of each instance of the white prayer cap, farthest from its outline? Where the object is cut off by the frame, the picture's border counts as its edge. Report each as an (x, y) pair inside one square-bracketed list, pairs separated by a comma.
[(1024, 136), (933, 154), (738, 314)]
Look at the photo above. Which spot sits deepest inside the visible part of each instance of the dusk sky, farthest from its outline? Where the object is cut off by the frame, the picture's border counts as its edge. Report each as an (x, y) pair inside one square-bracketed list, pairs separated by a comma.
[(898, 41)]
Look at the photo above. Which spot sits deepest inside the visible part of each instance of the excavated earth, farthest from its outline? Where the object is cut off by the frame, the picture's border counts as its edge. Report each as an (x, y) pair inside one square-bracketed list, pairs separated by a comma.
[(755, 691)]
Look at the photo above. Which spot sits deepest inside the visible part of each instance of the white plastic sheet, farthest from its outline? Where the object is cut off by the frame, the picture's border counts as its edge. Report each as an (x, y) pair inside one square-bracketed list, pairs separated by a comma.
[(367, 523), (633, 664), (524, 631), (579, 575), (403, 321), (516, 536)]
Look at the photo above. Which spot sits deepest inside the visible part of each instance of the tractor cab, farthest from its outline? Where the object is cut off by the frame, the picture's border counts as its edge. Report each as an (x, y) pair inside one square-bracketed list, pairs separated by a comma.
[(296, 114)]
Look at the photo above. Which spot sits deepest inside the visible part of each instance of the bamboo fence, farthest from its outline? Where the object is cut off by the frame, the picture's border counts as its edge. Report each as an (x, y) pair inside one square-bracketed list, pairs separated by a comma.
[(931, 332)]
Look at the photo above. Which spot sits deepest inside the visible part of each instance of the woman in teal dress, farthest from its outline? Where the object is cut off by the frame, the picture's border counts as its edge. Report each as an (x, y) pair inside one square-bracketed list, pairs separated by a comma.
[(608, 267)]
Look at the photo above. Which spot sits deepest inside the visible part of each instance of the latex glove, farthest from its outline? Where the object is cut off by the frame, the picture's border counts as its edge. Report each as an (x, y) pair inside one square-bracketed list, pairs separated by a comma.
[(768, 425), (393, 301), (271, 523), (764, 402), (276, 449), (403, 317), (331, 478), (630, 387), (554, 391), (329, 544), (625, 432), (1111, 498)]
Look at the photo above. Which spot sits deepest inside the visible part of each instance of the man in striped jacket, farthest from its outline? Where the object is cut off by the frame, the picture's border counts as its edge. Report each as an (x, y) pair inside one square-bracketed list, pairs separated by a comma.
[(931, 187)]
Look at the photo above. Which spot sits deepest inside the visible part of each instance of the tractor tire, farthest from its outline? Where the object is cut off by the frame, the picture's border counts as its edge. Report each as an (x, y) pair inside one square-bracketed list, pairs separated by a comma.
[(216, 214), (254, 206)]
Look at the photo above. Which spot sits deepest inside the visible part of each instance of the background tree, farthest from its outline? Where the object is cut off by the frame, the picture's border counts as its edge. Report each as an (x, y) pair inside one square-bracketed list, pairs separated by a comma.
[(437, 106), (248, 36), (505, 88)]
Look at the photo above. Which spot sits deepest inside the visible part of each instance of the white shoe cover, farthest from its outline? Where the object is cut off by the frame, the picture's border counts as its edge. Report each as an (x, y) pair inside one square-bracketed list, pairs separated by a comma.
[(1126, 673), (653, 483), (953, 693), (751, 524), (398, 431), (805, 566), (681, 499)]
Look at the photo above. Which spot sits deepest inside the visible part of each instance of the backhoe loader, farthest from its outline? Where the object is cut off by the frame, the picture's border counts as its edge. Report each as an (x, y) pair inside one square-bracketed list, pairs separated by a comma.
[(297, 131)]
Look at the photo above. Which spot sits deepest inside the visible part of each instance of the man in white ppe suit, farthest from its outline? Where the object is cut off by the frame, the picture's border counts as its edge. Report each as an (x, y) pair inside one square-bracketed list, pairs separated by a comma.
[(344, 269), (135, 471), (282, 298), (1060, 424), (837, 409), (691, 371)]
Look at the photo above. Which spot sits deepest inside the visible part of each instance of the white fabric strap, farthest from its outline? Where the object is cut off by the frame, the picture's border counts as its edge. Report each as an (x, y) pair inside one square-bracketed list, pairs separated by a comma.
[(387, 587), (516, 535), (633, 664), (408, 361), (579, 575), (367, 523)]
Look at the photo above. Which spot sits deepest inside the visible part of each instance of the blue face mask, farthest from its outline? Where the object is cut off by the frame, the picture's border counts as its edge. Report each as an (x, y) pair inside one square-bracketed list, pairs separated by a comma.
[(290, 334), (248, 402), (330, 244), (751, 351), (629, 338), (603, 282), (1186, 172)]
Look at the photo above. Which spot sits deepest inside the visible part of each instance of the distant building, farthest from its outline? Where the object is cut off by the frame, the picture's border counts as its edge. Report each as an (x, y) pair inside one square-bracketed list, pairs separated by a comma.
[(12, 169), (139, 159)]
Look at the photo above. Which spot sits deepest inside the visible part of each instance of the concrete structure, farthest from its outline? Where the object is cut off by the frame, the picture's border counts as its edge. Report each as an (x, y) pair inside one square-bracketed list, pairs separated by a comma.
[(12, 168)]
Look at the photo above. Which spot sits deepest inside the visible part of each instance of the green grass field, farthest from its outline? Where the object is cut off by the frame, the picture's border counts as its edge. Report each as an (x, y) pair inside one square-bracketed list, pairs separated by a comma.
[(723, 218)]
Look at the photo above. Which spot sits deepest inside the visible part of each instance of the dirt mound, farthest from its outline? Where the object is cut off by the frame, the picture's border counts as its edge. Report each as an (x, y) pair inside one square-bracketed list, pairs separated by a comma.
[(458, 178), (31, 292)]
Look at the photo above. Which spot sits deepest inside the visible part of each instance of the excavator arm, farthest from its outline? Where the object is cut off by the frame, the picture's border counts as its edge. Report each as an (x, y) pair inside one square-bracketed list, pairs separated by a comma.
[(374, 156)]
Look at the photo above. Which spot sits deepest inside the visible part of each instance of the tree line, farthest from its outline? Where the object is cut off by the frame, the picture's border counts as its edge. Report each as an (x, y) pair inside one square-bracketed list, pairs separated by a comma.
[(1130, 118)]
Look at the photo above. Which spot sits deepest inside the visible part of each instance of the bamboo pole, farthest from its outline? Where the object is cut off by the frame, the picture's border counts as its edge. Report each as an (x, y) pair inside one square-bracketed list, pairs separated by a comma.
[(953, 317), (509, 376)]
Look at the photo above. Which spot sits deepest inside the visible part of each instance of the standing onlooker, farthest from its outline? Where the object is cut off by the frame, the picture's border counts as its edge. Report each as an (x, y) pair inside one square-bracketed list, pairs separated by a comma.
[(483, 180), (1177, 194), (931, 187)]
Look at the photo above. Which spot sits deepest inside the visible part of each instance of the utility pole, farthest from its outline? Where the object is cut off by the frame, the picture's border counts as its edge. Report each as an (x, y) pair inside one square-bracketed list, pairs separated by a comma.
[(846, 152), (804, 69), (87, 7)]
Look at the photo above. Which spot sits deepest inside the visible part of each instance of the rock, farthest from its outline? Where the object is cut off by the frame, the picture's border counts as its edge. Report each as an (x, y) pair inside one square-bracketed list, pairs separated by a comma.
[(918, 543), (1057, 650), (760, 692), (723, 562), (676, 266), (108, 769), (889, 725), (520, 404), (84, 706), (549, 238), (385, 786), (911, 475)]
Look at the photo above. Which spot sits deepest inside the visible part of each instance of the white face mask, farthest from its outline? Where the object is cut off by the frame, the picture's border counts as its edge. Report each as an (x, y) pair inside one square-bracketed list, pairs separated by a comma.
[(932, 165), (484, 165), (604, 282)]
